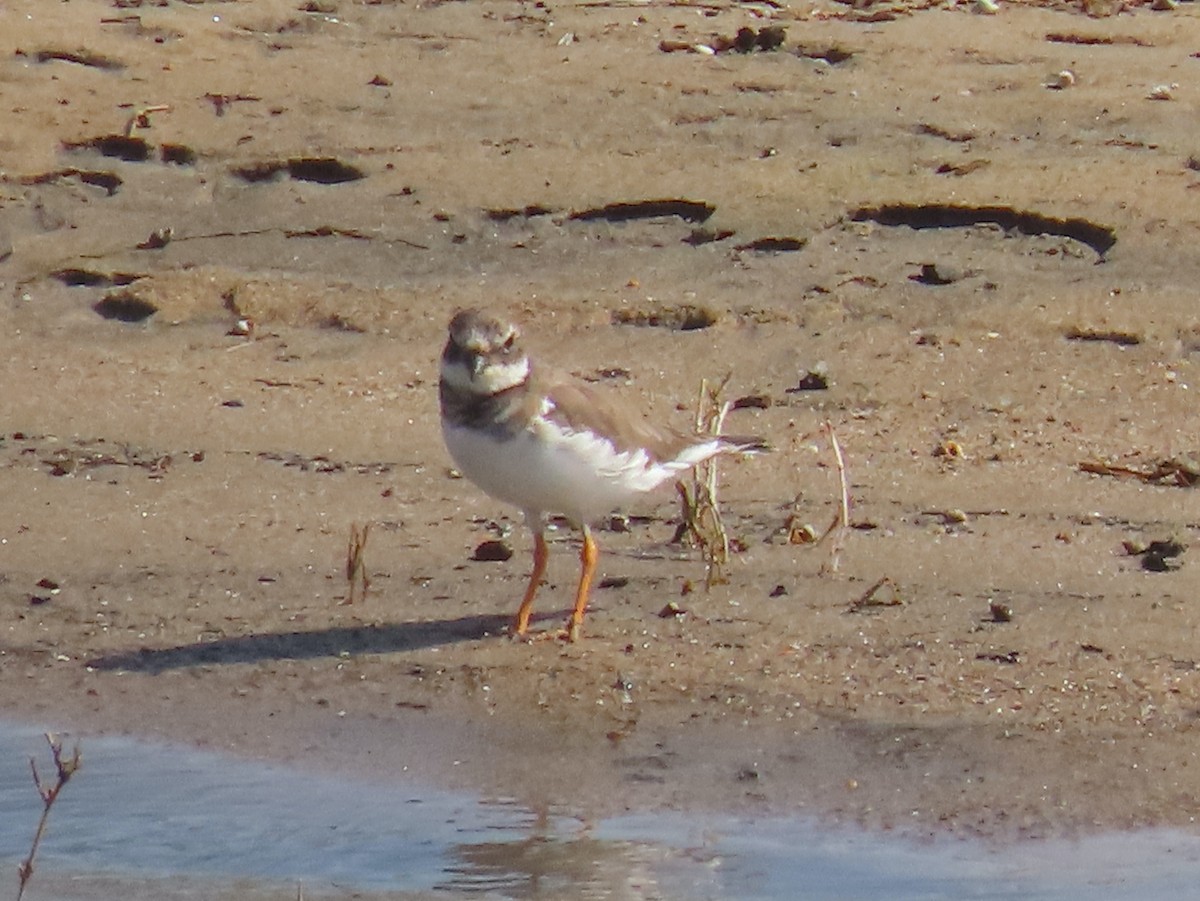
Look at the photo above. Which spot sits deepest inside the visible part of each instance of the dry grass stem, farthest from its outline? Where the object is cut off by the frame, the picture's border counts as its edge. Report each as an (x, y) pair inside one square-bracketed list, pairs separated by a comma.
[(65, 768), (700, 513), (356, 566), (841, 520)]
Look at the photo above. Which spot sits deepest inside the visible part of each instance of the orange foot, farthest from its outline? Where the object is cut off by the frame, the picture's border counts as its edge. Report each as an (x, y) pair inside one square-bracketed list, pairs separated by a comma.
[(569, 634)]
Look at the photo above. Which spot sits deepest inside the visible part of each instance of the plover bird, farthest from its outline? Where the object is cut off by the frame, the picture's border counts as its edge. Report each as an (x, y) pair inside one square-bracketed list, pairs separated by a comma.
[(547, 443)]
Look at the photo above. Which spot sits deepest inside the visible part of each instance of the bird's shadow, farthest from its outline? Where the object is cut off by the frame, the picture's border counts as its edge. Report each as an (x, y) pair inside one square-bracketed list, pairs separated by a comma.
[(333, 642)]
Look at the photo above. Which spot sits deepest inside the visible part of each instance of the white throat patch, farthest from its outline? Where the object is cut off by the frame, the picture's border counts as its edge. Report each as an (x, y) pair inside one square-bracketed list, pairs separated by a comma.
[(497, 377), (492, 379)]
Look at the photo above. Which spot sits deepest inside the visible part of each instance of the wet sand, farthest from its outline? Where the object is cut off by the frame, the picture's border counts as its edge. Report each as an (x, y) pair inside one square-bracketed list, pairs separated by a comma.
[(995, 279)]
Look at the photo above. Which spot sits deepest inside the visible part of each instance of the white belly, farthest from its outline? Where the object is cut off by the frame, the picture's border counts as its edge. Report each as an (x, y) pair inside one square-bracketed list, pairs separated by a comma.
[(575, 474)]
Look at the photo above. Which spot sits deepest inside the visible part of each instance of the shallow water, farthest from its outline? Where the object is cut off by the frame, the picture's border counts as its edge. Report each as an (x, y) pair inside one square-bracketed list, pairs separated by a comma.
[(142, 815)]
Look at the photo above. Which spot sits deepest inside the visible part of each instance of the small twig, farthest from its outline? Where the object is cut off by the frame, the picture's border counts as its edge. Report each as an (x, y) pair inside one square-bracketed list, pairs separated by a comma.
[(869, 600), (141, 118), (688, 527), (1184, 473), (65, 768), (356, 567)]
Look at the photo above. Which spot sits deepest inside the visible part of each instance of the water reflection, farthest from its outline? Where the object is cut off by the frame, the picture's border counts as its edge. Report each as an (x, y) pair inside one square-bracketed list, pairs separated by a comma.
[(153, 818), (554, 858)]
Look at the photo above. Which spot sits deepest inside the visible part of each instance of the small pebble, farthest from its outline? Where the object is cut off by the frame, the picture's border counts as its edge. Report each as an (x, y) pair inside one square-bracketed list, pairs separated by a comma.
[(1001, 612), (1061, 80)]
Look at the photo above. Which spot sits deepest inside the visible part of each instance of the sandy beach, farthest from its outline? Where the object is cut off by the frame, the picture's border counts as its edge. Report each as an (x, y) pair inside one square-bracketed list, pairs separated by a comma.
[(232, 235)]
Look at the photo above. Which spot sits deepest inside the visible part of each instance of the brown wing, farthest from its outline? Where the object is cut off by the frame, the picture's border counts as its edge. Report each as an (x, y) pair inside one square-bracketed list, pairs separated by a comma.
[(580, 406)]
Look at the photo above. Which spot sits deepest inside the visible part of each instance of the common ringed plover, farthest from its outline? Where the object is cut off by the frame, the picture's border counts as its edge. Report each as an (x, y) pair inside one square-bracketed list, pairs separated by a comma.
[(547, 443)]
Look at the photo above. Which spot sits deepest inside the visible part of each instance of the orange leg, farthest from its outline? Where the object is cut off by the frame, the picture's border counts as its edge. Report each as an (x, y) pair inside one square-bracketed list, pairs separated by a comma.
[(589, 554), (541, 554)]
